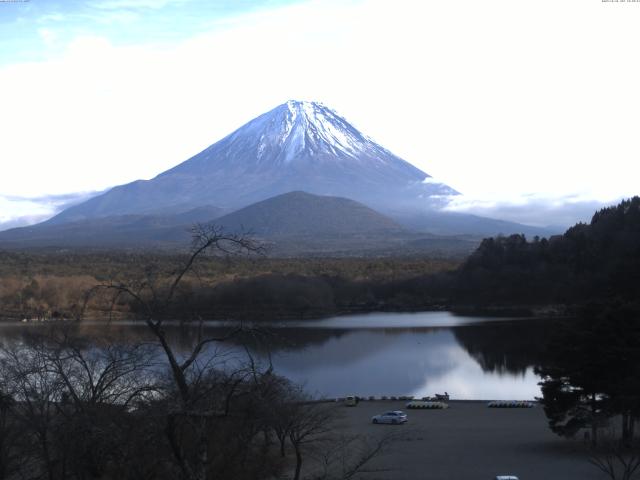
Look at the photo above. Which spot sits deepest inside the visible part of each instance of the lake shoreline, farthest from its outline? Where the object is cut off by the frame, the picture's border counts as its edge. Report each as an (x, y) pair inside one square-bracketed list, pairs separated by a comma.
[(258, 316), (417, 354)]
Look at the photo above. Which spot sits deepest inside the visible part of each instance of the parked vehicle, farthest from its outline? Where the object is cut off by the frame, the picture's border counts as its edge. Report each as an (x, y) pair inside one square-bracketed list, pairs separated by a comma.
[(506, 477), (393, 416), (351, 401)]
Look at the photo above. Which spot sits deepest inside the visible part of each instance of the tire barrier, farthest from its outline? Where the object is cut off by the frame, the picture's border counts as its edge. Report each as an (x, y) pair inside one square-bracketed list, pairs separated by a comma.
[(427, 405), (510, 404)]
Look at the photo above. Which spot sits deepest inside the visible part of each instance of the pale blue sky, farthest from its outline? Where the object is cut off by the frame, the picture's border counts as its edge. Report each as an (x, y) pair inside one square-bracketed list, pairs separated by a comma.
[(516, 104), (38, 30)]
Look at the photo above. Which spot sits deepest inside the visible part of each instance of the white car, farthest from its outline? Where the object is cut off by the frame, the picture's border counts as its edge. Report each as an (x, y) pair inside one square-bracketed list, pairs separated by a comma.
[(392, 416), (506, 477)]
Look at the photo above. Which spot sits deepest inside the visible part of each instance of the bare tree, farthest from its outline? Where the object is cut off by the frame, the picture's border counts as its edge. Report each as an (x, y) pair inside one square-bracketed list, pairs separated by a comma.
[(283, 412), (38, 395), (346, 456), (100, 371), (153, 300), (308, 423), (72, 396), (617, 459), (312, 429), (11, 460)]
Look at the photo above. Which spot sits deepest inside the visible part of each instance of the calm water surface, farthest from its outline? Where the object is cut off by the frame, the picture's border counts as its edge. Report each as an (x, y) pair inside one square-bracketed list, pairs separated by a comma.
[(376, 354)]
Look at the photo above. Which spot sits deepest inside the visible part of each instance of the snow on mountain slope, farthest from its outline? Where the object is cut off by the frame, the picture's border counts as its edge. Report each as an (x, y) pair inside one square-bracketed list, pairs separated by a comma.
[(296, 146)]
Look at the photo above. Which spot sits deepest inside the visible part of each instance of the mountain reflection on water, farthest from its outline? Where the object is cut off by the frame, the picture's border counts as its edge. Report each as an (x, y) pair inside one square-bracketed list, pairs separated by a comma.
[(373, 354)]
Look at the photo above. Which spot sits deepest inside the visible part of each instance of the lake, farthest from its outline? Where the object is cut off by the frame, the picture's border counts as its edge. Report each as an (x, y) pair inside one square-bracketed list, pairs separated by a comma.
[(378, 354)]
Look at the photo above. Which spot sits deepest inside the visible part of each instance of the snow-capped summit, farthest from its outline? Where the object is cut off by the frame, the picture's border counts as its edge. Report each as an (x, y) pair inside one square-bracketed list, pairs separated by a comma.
[(297, 146), (296, 132), (310, 127)]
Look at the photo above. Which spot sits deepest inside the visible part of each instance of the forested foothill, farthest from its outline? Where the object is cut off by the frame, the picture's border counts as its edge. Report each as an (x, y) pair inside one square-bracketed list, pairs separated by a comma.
[(599, 260), (53, 284)]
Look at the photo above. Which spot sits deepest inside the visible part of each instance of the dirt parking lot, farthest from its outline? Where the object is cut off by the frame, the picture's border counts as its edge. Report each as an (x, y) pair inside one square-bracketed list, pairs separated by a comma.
[(469, 441)]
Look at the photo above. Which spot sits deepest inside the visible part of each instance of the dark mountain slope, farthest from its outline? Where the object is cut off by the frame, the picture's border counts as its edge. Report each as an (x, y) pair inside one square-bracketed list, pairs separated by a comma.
[(115, 231), (300, 213), (292, 224)]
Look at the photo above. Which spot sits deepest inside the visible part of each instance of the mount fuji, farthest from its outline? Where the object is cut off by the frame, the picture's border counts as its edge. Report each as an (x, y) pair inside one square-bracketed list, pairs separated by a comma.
[(297, 146), (300, 176)]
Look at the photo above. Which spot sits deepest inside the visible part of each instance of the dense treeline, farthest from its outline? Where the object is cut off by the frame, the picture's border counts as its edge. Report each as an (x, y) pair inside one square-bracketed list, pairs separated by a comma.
[(590, 369), (590, 261), (107, 264), (274, 296)]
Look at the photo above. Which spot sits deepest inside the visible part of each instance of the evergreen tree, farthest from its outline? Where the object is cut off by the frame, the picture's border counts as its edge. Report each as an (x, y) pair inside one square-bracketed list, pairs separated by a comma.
[(591, 372)]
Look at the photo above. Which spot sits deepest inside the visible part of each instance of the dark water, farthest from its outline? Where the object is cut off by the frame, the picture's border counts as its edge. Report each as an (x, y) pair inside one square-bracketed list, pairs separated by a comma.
[(374, 354)]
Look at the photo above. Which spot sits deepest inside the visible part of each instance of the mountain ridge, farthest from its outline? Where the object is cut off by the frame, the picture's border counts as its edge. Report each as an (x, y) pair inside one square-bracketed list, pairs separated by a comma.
[(291, 224)]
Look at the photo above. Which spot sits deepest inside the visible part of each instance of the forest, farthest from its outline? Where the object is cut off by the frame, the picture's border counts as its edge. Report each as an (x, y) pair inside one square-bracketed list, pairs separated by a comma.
[(599, 260), (54, 284)]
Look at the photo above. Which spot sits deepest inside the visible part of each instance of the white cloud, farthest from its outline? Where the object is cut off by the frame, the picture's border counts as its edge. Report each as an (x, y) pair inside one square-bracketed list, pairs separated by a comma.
[(12, 208), (16, 211), (493, 98), (533, 209)]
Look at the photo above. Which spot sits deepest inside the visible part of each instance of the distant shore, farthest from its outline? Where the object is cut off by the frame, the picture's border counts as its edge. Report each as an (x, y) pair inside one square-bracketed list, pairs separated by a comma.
[(498, 311)]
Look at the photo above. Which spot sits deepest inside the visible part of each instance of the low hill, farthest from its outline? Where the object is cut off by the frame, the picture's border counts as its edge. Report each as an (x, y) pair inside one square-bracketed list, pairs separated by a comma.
[(304, 225), (301, 213), (295, 224)]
